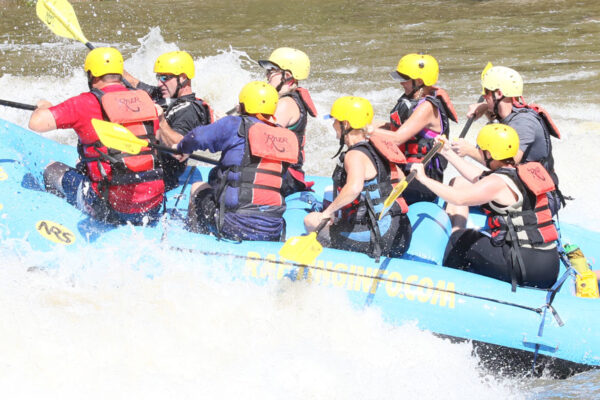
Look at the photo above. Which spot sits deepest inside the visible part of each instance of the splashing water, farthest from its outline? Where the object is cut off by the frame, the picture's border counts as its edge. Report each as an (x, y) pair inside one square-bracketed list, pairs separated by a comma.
[(111, 324)]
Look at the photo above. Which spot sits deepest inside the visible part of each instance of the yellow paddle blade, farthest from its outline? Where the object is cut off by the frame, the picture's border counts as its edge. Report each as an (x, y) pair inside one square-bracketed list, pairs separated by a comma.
[(399, 188), (118, 137), (395, 193), (59, 16), (302, 249), (389, 201)]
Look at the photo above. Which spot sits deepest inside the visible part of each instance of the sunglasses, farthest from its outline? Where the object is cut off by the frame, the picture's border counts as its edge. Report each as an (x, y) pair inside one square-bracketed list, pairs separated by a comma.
[(164, 77), (272, 71)]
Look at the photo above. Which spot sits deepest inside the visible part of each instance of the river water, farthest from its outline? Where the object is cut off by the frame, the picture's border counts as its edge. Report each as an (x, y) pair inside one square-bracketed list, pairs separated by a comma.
[(111, 333)]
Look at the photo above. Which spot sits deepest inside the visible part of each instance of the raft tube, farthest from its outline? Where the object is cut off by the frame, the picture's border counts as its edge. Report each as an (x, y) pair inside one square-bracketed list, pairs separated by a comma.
[(508, 329)]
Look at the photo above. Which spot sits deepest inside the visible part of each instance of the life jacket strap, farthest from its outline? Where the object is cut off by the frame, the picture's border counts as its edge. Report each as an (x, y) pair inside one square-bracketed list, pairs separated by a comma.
[(516, 256)]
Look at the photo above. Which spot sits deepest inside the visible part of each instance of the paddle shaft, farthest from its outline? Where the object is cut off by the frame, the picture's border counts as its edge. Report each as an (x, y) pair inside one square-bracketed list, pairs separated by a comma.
[(434, 150), (431, 153), (167, 149), (322, 225), (403, 184), (234, 110), (187, 180), (17, 105), (463, 133)]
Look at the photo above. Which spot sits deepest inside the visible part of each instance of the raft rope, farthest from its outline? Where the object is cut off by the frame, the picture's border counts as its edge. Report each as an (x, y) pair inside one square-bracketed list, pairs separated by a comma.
[(538, 310), (570, 271)]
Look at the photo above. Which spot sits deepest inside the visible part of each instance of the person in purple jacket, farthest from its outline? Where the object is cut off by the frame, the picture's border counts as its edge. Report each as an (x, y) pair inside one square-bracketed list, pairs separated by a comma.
[(242, 199)]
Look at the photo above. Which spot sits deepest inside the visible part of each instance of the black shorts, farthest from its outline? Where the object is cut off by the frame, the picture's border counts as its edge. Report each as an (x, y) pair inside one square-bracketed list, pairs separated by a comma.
[(394, 241), (473, 251)]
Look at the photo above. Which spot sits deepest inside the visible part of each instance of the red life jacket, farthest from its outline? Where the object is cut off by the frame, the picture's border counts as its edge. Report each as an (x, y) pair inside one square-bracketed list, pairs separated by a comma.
[(268, 151), (550, 126), (533, 224), (129, 183)]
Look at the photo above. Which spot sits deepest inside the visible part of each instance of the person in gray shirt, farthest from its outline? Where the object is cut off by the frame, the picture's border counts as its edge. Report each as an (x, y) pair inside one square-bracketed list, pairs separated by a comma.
[(503, 88)]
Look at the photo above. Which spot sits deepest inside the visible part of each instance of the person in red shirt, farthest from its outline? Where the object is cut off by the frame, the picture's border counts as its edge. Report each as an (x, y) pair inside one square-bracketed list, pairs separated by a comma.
[(108, 185)]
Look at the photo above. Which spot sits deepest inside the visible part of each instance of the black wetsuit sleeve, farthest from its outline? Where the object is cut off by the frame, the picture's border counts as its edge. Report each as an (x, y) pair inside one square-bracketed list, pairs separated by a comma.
[(153, 91), (185, 118)]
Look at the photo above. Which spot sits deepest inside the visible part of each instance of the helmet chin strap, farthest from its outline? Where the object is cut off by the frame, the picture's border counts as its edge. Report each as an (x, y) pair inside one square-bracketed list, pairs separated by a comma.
[(345, 131), (266, 119), (488, 160), (180, 85), (496, 105), (416, 88), (284, 80)]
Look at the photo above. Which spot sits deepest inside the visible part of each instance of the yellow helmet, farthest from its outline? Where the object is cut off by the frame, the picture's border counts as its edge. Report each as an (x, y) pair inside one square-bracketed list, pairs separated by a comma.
[(506, 79), (104, 60), (259, 98), (417, 66), (356, 110), (175, 63), (286, 58), (500, 140), (485, 70)]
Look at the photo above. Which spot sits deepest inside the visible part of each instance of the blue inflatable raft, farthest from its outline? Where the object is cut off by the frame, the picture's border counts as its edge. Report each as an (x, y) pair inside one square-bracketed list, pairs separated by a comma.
[(509, 330)]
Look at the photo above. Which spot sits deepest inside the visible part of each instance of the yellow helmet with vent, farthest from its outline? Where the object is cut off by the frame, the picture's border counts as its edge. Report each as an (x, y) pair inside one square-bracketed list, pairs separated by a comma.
[(356, 110), (417, 66), (259, 98), (104, 60), (175, 63), (506, 79), (293, 60), (501, 140)]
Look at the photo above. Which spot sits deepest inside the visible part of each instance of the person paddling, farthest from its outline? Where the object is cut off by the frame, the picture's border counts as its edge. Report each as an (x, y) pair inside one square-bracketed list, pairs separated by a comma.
[(242, 199), (421, 114), (521, 245), (183, 111), (285, 67), (362, 181), (107, 184), (503, 101)]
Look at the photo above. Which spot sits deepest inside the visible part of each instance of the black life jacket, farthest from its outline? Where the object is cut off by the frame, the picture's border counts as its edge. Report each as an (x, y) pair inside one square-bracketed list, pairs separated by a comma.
[(415, 148), (363, 212), (440, 99), (306, 107)]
